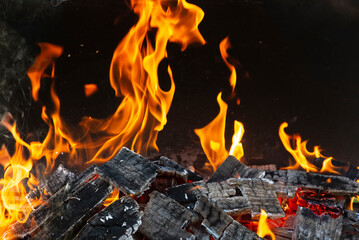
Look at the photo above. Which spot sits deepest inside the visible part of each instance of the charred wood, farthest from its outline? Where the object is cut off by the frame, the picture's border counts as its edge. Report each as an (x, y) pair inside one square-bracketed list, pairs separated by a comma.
[(231, 168), (288, 181), (173, 169), (129, 172), (165, 218), (311, 226), (350, 225), (118, 221)]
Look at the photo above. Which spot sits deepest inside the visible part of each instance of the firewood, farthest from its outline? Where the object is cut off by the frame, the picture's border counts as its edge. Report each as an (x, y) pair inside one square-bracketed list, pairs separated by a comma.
[(171, 168), (232, 167), (118, 221), (219, 224), (288, 181), (165, 218), (311, 226), (235, 196), (350, 225), (129, 172)]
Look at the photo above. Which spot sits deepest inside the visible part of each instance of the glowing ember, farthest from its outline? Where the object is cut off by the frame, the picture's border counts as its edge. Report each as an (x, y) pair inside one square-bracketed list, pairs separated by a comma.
[(263, 228)]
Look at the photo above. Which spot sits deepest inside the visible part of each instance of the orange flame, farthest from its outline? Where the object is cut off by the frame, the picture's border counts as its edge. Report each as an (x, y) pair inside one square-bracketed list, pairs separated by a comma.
[(263, 228), (137, 120), (301, 153), (212, 136), (223, 47), (237, 148), (13, 203), (115, 195)]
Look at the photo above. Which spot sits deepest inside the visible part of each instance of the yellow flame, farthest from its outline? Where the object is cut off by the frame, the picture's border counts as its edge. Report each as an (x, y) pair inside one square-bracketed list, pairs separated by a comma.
[(223, 47), (115, 195), (237, 148), (300, 153), (263, 228)]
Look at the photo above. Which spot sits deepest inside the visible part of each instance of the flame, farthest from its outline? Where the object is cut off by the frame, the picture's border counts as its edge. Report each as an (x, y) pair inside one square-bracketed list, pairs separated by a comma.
[(135, 123), (90, 89), (301, 153), (223, 47), (115, 195), (237, 148), (13, 203), (263, 228), (212, 136)]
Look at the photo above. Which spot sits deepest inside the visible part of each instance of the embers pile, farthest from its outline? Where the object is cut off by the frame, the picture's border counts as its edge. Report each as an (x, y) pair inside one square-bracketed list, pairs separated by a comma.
[(162, 200)]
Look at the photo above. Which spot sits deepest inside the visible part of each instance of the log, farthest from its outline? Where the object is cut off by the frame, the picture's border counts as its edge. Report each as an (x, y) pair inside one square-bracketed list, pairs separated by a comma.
[(311, 226), (231, 168), (350, 225), (165, 218), (173, 169), (118, 221), (235, 196), (288, 181), (65, 212), (129, 172), (237, 231)]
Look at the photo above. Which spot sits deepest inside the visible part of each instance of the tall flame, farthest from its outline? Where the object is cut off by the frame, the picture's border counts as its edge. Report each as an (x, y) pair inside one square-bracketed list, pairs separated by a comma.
[(300, 153), (223, 47), (212, 135), (135, 123), (263, 228)]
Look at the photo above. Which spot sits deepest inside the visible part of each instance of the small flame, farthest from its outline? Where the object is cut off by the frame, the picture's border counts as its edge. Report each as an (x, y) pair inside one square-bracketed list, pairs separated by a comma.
[(301, 153), (263, 228), (223, 47), (115, 195), (237, 148), (90, 89)]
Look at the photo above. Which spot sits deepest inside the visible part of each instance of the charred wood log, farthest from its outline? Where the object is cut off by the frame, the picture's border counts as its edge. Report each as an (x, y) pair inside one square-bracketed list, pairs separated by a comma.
[(53, 183), (118, 221), (235, 196), (311, 226), (288, 181), (231, 168), (219, 224), (165, 218), (173, 169), (129, 172), (65, 212), (350, 226)]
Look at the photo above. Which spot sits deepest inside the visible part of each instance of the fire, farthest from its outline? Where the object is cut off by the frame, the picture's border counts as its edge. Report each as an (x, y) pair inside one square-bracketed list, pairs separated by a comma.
[(115, 195), (301, 153), (212, 135), (136, 122), (223, 47), (263, 228)]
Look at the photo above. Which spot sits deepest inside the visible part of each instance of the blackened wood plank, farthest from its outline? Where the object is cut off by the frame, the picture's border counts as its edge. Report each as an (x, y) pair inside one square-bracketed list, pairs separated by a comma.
[(311, 226), (237, 231), (350, 226), (165, 218), (118, 221), (215, 219), (288, 181), (129, 172), (231, 168), (171, 168)]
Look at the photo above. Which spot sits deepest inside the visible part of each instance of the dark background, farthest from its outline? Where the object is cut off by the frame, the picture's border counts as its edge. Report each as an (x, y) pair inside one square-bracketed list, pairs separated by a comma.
[(298, 63)]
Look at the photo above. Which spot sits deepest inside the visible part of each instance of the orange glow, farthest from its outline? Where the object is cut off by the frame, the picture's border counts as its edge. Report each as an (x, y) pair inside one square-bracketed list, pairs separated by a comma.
[(223, 47), (301, 153), (351, 205), (115, 195), (263, 228), (90, 89)]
